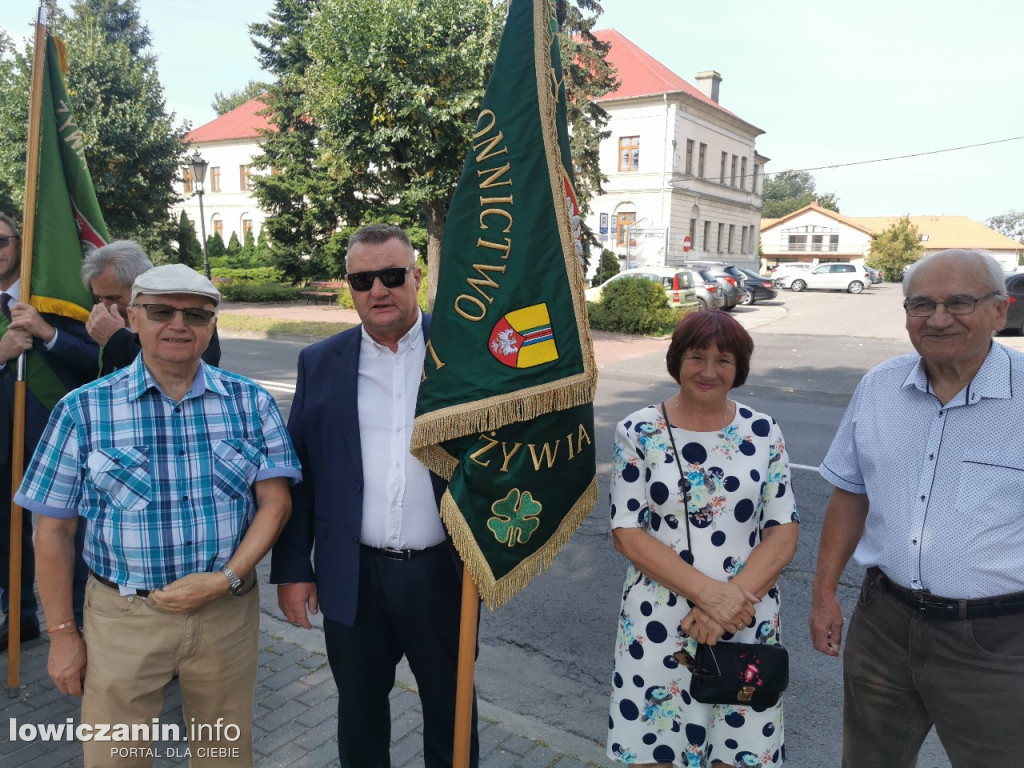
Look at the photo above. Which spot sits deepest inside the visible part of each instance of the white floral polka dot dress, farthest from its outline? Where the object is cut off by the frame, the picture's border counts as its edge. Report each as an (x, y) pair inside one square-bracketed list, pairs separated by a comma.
[(739, 484)]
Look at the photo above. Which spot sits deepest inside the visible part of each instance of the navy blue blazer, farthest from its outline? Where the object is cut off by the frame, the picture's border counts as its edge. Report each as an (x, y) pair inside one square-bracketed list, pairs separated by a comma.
[(74, 358), (327, 506)]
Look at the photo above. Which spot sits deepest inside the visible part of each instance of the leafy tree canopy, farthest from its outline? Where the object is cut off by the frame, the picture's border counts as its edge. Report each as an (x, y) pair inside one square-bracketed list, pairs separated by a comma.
[(226, 102), (133, 149), (1010, 224), (896, 248), (789, 191)]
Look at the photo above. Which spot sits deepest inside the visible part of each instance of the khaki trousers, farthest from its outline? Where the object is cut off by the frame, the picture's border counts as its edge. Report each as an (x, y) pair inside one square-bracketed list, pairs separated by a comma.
[(135, 650)]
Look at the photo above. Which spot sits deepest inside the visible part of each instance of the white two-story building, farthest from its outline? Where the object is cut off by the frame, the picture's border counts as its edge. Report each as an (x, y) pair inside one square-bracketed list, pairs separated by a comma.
[(684, 174)]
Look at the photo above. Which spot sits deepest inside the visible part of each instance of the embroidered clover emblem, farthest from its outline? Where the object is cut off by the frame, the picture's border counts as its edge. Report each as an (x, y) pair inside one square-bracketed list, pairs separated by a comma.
[(515, 518)]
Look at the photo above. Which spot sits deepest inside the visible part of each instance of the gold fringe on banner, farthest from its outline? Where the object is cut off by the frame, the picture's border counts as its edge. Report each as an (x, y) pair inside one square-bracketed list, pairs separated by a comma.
[(496, 412), (497, 592), (60, 307)]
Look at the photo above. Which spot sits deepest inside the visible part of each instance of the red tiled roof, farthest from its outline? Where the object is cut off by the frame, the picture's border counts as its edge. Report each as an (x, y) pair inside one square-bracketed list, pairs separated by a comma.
[(242, 122), (643, 75)]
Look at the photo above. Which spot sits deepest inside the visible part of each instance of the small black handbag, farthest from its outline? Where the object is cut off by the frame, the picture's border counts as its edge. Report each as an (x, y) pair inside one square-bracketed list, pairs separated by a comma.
[(737, 673), (730, 673)]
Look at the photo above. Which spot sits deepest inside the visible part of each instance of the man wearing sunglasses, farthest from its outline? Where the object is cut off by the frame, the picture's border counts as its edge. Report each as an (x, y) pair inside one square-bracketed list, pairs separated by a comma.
[(383, 570), (929, 498), (63, 346), (182, 472), (109, 272)]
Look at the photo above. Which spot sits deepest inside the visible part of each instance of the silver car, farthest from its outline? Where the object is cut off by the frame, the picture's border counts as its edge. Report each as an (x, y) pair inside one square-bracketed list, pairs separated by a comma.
[(828, 277)]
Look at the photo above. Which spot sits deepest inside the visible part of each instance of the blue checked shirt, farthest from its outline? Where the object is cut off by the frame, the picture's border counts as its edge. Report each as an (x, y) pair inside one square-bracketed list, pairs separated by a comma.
[(165, 487)]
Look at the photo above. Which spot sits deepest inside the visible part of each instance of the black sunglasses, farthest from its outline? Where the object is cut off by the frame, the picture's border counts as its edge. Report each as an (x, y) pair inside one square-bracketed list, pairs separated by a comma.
[(5, 239), (164, 313), (392, 277)]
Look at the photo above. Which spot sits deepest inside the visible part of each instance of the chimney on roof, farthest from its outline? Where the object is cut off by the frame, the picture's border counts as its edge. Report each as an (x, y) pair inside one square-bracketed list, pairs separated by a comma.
[(708, 82)]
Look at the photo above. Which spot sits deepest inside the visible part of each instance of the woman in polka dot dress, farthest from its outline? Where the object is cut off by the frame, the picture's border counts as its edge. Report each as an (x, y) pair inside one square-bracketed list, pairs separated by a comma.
[(743, 532)]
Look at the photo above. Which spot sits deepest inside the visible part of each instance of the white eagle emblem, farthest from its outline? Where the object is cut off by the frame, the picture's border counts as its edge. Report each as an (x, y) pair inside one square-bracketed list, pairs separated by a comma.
[(504, 343)]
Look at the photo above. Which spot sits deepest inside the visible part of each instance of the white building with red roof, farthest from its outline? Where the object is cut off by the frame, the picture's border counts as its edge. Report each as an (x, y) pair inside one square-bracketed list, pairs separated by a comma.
[(684, 175), (229, 144)]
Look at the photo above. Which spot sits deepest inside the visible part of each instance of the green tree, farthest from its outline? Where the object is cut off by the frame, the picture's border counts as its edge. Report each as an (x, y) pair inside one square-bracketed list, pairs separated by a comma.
[(394, 90), (789, 191), (894, 249), (215, 246), (304, 202), (608, 268), (190, 251), (234, 249), (1010, 224), (588, 77), (226, 102)]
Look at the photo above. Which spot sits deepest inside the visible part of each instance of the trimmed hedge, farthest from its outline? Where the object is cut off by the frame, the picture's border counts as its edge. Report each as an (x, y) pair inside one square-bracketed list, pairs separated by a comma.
[(634, 305), (259, 292)]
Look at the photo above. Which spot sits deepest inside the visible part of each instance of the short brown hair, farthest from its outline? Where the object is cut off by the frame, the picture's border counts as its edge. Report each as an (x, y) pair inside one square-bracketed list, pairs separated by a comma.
[(378, 234), (699, 330)]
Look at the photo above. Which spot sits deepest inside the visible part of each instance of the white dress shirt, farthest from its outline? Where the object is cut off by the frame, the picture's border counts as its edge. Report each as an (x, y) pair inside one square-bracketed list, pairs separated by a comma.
[(399, 510), (945, 483)]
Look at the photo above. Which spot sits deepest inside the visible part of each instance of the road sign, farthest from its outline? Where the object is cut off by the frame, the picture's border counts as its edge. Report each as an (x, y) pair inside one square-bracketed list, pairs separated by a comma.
[(687, 245)]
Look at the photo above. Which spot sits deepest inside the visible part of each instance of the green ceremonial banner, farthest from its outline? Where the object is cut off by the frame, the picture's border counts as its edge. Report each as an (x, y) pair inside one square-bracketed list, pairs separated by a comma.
[(505, 408), (68, 222)]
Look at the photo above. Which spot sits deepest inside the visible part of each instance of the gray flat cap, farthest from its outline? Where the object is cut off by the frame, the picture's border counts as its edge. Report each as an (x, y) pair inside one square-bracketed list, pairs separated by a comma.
[(174, 278)]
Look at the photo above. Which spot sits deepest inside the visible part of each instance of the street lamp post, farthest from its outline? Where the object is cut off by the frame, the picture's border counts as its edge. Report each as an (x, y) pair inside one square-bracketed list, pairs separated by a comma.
[(199, 165)]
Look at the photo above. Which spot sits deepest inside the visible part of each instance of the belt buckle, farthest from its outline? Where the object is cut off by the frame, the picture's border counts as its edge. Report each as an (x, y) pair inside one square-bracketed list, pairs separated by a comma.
[(395, 554), (926, 602)]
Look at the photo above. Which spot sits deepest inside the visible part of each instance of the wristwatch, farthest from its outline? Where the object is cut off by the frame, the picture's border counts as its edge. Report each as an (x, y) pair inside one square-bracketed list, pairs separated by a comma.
[(235, 582)]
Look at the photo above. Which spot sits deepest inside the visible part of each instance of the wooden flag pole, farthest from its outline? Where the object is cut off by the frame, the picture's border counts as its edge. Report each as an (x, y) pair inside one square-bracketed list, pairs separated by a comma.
[(18, 425), (467, 662)]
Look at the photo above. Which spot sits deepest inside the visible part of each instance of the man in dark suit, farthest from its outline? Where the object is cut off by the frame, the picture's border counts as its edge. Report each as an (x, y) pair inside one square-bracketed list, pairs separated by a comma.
[(383, 569), (66, 348), (109, 273)]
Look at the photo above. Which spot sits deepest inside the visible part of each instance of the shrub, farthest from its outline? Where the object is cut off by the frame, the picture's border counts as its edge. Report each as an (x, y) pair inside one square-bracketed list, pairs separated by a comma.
[(634, 305), (248, 275), (260, 293), (608, 268)]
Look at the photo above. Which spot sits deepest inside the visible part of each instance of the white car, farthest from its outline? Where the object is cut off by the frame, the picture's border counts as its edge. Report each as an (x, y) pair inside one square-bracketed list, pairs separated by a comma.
[(828, 277), (787, 268), (678, 284)]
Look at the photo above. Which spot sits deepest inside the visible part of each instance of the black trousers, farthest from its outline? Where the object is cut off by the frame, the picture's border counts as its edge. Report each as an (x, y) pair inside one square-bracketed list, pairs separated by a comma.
[(411, 608)]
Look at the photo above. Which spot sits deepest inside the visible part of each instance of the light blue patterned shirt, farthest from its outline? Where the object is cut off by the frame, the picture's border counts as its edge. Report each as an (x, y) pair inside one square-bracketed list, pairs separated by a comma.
[(165, 487), (945, 482)]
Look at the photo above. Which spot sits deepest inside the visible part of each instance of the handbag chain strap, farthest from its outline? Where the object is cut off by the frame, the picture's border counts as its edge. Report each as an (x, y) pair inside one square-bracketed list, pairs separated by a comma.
[(682, 480)]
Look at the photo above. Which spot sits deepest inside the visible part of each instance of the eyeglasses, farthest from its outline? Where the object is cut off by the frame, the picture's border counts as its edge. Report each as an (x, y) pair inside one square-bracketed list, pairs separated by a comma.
[(6, 239), (392, 277), (961, 304), (164, 313), (701, 360)]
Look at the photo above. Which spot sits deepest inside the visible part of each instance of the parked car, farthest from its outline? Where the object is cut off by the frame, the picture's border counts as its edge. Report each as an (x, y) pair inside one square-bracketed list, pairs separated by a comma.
[(710, 294), (786, 268), (1015, 312), (756, 288), (876, 275), (678, 283), (828, 277), (725, 275)]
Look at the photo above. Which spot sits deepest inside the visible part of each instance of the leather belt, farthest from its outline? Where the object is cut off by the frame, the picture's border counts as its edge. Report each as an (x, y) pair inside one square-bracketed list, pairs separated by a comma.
[(400, 554), (944, 608), (112, 585)]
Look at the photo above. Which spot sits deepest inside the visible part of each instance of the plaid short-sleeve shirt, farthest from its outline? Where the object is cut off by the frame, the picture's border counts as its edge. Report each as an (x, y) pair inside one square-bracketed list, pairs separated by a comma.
[(165, 487)]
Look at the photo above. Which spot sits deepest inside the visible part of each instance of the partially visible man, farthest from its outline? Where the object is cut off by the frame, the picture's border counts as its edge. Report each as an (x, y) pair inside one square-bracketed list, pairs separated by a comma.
[(66, 349), (181, 471), (109, 273), (929, 496), (384, 571)]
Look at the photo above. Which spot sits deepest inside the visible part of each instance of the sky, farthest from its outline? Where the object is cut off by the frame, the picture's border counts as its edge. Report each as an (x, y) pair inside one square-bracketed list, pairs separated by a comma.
[(829, 83)]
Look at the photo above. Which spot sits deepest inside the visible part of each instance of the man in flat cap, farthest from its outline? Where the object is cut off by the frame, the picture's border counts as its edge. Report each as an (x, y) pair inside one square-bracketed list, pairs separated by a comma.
[(182, 472)]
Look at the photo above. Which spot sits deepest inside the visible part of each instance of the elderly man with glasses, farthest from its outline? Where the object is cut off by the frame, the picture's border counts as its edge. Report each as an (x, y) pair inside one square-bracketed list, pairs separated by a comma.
[(182, 472), (383, 570), (929, 497)]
